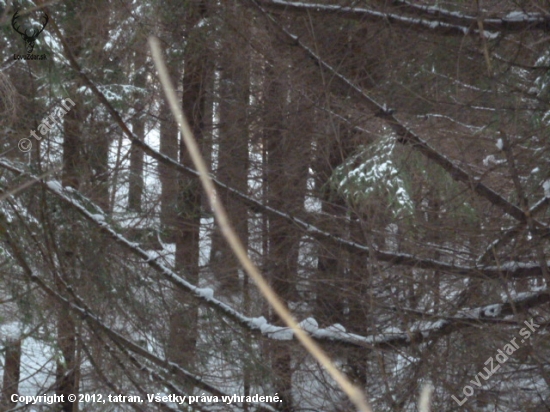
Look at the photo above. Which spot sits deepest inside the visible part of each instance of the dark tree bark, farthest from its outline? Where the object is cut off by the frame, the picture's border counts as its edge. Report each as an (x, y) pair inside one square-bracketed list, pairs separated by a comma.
[(288, 160), (12, 373), (233, 144), (135, 191), (67, 381), (184, 319)]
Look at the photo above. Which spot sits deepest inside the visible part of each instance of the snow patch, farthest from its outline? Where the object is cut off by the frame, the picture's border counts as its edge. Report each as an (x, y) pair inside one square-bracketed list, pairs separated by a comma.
[(55, 185), (258, 322), (10, 331), (492, 310), (207, 293), (520, 16), (277, 332), (310, 325), (491, 159)]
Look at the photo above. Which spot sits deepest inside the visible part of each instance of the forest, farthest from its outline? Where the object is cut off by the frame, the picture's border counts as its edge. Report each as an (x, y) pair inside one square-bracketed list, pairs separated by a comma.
[(385, 165)]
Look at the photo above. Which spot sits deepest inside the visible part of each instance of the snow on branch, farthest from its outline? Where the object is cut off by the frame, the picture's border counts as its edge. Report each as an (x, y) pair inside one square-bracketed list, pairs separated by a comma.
[(513, 21), (359, 13), (440, 325)]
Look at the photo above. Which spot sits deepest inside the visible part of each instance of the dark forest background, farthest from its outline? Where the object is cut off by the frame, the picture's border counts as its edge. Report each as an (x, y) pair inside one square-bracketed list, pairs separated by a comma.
[(386, 163)]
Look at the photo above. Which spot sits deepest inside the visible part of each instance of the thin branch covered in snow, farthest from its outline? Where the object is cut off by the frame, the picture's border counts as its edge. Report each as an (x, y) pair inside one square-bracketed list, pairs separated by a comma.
[(475, 129), (490, 314), (513, 21), (364, 14)]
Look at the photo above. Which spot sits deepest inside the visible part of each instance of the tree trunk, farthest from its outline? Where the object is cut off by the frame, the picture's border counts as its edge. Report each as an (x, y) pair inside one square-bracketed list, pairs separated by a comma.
[(68, 365), (184, 321), (287, 171), (12, 372), (135, 191), (233, 149)]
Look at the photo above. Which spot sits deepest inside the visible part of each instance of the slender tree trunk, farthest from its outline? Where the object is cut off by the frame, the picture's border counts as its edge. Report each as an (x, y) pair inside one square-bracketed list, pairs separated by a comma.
[(184, 322), (12, 373), (72, 145), (67, 366), (168, 177), (287, 170), (72, 175), (233, 147), (135, 191)]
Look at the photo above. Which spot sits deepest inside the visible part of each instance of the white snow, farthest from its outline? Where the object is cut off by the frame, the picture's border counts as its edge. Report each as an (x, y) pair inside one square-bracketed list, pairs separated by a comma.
[(521, 16), (10, 331), (376, 171), (55, 185), (207, 293), (98, 217), (491, 159), (492, 310), (546, 187), (500, 144), (310, 325), (277, 332), (258, 322)]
